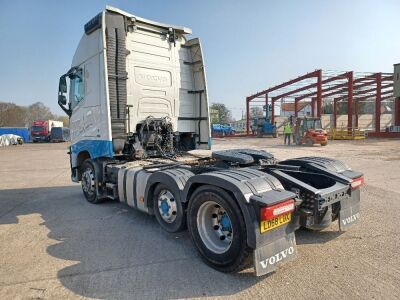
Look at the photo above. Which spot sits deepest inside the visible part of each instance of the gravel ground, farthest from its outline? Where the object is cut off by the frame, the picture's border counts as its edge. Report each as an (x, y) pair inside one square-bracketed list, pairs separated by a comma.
[(56, 245)]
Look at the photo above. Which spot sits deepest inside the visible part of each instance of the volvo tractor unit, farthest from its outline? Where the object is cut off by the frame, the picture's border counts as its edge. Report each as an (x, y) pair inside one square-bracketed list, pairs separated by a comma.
[(136, 96)]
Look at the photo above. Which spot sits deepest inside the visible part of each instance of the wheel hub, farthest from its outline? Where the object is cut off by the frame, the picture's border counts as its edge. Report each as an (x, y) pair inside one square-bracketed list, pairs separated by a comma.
[(215, 227), (88, 182), (167, 206)]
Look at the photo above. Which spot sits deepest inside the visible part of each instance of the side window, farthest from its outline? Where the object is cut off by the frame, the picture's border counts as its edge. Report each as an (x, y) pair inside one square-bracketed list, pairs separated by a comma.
[(77, 89)]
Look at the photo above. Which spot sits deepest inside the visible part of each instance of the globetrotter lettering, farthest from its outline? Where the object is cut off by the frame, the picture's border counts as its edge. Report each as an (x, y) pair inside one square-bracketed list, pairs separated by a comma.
[(277, 257), (351, 219)]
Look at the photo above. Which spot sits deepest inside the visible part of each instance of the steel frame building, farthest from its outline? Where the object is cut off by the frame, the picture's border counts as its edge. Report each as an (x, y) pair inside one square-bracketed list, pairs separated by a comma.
[(351, 86)]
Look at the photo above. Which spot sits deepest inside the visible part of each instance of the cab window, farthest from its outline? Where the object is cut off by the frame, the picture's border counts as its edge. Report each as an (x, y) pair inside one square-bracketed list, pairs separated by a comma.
[(77, 92)]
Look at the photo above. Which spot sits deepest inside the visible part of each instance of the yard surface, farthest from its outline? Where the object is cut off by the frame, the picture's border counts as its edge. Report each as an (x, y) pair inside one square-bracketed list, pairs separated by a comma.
[(56, 245)]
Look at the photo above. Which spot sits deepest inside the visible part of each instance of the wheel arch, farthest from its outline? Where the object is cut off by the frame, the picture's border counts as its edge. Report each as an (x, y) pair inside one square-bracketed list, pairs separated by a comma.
[(238, 194), (175, 179)]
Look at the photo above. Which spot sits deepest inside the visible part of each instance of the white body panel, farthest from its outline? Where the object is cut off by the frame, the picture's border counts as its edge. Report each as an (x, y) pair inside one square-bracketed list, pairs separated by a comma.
[(164, 77)]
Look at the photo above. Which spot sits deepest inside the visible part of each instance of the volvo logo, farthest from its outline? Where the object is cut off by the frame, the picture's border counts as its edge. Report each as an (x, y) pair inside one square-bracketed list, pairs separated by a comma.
[(351, 219), (277, 257)]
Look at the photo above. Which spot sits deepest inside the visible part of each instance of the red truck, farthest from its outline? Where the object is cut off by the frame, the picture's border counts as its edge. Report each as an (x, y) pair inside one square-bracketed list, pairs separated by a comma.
[(40, 130)]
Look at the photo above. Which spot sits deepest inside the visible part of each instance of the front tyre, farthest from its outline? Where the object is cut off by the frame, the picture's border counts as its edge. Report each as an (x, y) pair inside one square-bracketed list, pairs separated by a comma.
[(168, 209), (89, 182), (218, 229)]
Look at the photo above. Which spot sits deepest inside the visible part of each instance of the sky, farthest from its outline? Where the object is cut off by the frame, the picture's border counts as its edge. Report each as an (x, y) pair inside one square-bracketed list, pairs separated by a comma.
[(248, 45)]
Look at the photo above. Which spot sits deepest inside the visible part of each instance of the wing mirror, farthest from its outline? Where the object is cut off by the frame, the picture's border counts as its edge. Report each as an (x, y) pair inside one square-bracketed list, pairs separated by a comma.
[(62, 86), (62, 99)]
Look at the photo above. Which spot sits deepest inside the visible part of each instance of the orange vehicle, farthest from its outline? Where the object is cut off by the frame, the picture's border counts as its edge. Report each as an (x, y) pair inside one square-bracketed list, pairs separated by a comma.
[(308, 130)]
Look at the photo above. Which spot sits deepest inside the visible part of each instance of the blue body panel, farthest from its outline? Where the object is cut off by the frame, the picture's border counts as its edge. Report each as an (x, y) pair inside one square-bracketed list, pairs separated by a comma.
[(21, 131), (268, 128), (96, 148)]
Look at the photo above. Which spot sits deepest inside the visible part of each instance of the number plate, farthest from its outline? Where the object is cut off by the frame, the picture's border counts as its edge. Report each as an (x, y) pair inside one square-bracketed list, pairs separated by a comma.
[(276, 222)]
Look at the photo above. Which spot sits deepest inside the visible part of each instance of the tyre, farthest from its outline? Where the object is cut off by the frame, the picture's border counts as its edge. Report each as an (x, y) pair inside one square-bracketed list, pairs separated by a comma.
[(168, 209), (89, 182), (309, 142), (218, 229), (324, 144)]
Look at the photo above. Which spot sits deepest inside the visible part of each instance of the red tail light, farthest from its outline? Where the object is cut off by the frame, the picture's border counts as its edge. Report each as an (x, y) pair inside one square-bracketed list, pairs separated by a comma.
[(357, 182), (271, 212)]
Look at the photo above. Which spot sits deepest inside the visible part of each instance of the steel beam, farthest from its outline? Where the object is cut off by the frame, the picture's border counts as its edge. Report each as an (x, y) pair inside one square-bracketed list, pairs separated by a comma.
[(378, 102), (273, 99), (313, 101), (287, 83), (356, 113), (397, 111), (350, 101), (247, 115), (319, 94), (334, 112)]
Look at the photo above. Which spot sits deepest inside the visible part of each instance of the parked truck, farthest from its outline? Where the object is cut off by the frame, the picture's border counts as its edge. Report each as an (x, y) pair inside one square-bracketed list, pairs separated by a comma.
[(41, 129), (138, 106)]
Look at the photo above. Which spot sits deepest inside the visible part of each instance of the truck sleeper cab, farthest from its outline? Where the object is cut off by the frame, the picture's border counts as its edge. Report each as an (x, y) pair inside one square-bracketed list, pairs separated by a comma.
[(138, 104)]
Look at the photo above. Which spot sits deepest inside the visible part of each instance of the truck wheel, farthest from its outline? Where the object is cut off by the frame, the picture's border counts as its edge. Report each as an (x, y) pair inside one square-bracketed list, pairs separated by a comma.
[(168, 210), (89, 182), (218, 229), (309, 142)]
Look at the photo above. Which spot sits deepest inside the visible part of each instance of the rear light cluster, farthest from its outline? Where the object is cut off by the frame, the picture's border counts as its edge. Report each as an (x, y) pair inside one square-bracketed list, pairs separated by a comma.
[(271, 212), (357, 182)]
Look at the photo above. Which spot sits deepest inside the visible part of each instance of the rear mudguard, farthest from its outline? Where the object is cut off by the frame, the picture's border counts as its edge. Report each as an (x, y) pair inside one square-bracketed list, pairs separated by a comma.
[(252, 189), (175, 179), (339, 197)]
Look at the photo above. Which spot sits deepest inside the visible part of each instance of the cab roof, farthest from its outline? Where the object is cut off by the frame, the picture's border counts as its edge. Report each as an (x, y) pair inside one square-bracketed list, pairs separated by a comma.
[(180, 29)]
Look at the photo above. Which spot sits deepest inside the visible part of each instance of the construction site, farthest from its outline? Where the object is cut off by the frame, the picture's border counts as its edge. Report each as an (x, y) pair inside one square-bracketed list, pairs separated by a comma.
[(351, 105)]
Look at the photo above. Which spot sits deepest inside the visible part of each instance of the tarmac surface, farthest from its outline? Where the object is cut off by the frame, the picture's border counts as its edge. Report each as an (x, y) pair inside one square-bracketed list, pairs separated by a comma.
[(54, 244)]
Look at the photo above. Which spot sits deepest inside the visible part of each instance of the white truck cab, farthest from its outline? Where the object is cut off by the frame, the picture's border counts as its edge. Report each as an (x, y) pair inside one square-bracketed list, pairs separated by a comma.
[(137, 88)]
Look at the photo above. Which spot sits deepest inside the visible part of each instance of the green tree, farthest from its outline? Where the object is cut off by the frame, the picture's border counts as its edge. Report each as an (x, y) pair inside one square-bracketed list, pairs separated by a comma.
[(224, 114)]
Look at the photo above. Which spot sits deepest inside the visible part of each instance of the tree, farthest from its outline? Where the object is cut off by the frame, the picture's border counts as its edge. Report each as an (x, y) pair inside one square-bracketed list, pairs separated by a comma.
[(224, 115), (12, 115), (256, 112), (39, 111)]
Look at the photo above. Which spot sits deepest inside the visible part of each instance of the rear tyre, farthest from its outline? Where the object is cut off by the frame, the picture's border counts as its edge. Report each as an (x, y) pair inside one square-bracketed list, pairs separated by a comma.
[(218, 229), (309, 142), (89, 182), (168, 209), (324, 144)]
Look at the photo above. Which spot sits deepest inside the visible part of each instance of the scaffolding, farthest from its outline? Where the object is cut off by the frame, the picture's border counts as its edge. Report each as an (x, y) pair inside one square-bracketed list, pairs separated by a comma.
[(334, 86)]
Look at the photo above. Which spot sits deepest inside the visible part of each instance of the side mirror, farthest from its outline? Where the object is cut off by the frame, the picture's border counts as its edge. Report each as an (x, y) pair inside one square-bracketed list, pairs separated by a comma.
[(62, 99), (62, 86)]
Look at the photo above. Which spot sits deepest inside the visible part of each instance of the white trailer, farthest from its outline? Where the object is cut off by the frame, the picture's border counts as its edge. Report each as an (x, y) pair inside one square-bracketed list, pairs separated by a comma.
[(138, 104)]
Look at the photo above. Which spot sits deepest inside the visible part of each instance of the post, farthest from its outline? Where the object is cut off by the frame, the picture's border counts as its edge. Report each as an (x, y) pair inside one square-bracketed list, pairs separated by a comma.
[(397, 111), (378, 102), (248, 115), (266, 106), (350, 100), (319, 93), (295, 107), (313, 100), (356, 113), (334, 112), (273, 111)]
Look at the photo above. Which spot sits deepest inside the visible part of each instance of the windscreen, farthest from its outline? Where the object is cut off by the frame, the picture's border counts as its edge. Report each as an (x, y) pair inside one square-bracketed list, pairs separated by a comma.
[(313, 124), (37, 128)]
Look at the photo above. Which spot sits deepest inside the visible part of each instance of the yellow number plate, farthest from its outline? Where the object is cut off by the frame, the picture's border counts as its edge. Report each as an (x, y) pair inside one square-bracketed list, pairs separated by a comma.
[(276, 222)]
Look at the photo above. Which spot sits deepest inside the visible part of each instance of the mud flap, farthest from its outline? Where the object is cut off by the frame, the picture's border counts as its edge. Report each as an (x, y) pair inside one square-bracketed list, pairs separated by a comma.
[(268, 257), (349, 216), (350, 211)]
